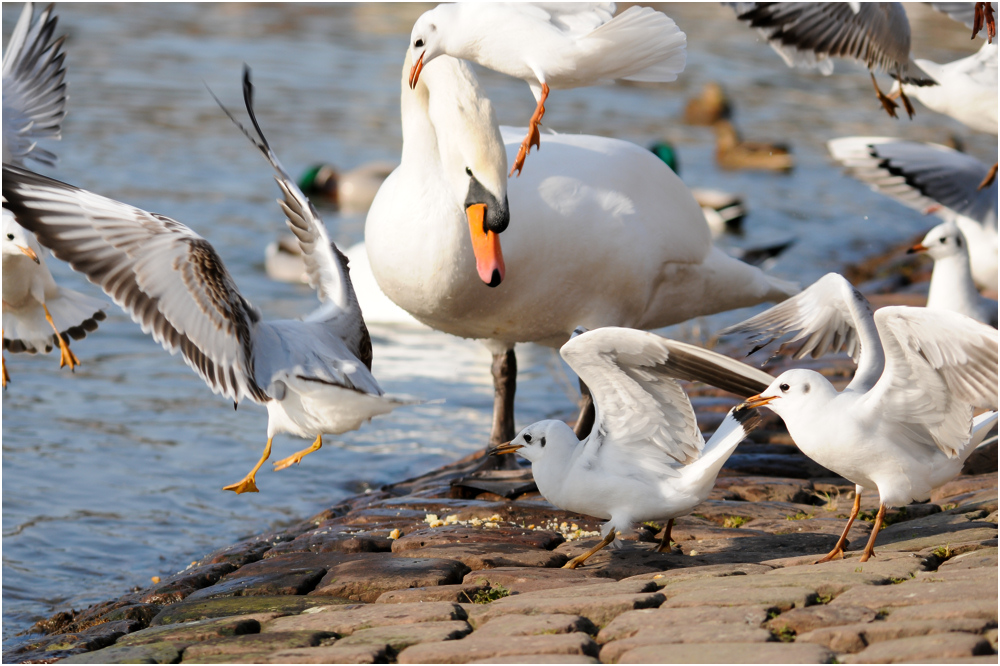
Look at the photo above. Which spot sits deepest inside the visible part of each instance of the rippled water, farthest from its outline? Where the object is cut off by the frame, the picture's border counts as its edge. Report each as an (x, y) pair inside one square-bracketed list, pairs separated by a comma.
[(111, 475)]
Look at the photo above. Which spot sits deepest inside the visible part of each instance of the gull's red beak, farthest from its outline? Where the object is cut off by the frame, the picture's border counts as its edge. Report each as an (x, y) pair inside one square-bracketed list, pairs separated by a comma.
[(486, 247), (415, 71), (28, 251), (919, 247), (501, 449), (756, 401)]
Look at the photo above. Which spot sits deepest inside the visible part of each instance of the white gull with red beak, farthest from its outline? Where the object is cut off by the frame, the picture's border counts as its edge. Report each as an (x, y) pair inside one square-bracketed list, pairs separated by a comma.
[(904, 425)]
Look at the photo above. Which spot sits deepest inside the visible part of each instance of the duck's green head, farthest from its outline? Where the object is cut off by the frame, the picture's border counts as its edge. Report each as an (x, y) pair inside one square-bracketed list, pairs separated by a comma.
[(319, 179), (665, 151)]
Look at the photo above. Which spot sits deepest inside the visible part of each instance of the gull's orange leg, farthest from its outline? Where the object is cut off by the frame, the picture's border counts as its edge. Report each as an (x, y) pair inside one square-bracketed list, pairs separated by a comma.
[(297, 457), (664, 546), (869, 550), (984, 14), (533, 138), (887, 104), (838, 551), (247, 485), (66, 357), (990, 177), (580, 559)]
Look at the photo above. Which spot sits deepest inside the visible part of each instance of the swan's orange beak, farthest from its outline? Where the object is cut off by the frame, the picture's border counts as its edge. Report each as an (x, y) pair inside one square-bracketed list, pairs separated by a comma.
[(31, 253), (415, 71), (486, 247), (756, 401), (919, 247)]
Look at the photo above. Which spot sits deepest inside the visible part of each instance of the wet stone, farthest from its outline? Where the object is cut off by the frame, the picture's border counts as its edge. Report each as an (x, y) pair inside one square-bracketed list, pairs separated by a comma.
[(400, 518), (245, 552), (339, 539), (518, 580), (461, 593), (934, 646), (531, 625), (399, 637), (366, 580), (177, 587), (200, 630), (253, 644), (802, 620), (345, 620), (629, 624), (284, 579), (667, 635), (491, 556), (459, 534), (471, 649), (150, 653), (187, 610), (348, 654), (729, 653)]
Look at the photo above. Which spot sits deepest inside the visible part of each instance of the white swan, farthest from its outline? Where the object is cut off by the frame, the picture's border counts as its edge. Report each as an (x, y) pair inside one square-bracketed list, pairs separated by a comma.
[(602, 233)]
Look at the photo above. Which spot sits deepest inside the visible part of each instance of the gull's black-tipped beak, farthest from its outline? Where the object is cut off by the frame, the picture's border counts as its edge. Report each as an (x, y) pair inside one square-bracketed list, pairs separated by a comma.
[(29, 252), (919, 247), (755, 401), (506, 447)]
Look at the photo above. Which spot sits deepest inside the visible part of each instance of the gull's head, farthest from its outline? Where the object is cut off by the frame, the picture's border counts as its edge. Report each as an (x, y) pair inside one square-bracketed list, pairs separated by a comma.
[(790, 391), (15, 239), (944, 240), (426, 39), (539, 440)]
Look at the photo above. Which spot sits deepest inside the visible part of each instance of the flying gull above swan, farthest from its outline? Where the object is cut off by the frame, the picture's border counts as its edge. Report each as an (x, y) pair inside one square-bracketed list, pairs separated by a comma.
[(314, 375)]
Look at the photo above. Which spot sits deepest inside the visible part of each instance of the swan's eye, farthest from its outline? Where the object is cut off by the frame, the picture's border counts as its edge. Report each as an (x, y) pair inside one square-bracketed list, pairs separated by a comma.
[(10, 236), (468, 171), (784, 388), (419, 43), (542, 442), (527, 438)]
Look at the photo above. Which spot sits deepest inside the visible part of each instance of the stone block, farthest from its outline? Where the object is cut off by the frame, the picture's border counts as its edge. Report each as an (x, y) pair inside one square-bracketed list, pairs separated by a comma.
[(401, 636), (366, 580), (593, 589), (660, 619), (706, 571), (296, 573), (350, 654), (985, 558), (802, 620), (461, 534), (912, 593), (856, 637), (889, 565), (667, 635), (149, 653), (490, 556), (253, 644), (779, 598), (937, 647), (729, 653), (599, 610), (539, 659), (471, 649), (964, 484), (345, 620), (186, 611), (531, 625), (199, 630), (336, 539), (460, 594), (520, 579), (985, 609), (177, 587), (763, 489)]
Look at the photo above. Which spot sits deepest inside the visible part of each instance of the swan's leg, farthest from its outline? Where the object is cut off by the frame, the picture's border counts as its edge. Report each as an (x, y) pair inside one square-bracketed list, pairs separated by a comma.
[(66, 357), (585, 421), (580, 559), (887, 104), (504, 385), (297, 457), (664, 546), (990, 177), (247, 485), (869, 550), (838, 550), (532, 138)]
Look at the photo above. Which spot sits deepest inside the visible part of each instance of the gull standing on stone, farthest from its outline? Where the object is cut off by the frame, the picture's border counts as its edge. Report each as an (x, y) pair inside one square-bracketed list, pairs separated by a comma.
[(314, 375), (808, 34), (38, 314), (552, 45), (952, 287), (932, 179), (904, 424), (645, 458)]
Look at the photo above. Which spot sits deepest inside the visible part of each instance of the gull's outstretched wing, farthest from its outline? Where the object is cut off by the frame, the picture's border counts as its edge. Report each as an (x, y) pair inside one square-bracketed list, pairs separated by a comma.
[(807, 34), (326, 265), (640, 407), (939, 366), (34, 94), (168, 278), (920, 175)]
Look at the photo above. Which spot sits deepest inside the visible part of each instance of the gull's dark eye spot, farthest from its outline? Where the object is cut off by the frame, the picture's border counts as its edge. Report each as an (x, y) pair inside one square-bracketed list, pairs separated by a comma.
[(958, 242), (944, 240), (542, 442), (784, 388), (10, 236), (805, 389), (527, 438), (419, 43), (468, 171)]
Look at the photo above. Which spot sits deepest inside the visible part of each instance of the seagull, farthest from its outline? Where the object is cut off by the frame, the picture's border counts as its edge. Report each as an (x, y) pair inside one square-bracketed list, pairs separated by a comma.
[(38, 314), (808, 34), (314, 375), (932, 179), (606, 234), (951, 281), (551, 45), (903, 425), (644, 458)]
